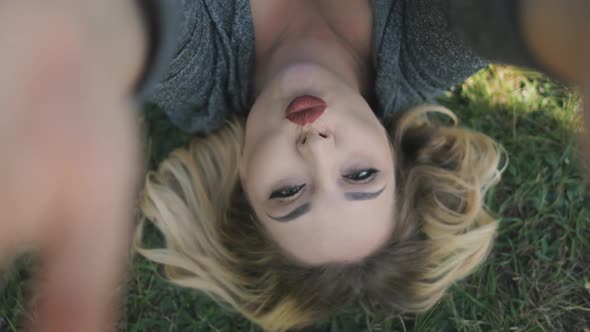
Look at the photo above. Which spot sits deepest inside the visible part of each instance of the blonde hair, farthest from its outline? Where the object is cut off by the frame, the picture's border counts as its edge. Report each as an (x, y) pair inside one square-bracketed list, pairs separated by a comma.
[(215, 245)]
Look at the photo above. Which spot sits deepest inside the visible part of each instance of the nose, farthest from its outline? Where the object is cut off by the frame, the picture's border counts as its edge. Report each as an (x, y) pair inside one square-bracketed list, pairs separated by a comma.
[(316, 146), (312, 138), (318, 151)]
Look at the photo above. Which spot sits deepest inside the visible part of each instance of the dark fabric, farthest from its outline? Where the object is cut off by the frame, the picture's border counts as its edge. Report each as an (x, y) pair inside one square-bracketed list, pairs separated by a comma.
[(208, 78), (491, 28), (161, 18), (416, 54), (420, 48)]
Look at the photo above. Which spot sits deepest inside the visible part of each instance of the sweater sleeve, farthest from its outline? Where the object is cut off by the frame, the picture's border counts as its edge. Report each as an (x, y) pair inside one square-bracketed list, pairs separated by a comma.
[(162, 21), (445, 35), (418, 54), (200, 62), (427, 46), (492, 29)]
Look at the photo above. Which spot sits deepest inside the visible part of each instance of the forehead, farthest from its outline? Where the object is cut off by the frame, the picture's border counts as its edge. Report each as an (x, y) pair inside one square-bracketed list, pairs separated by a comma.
[(336, 230)]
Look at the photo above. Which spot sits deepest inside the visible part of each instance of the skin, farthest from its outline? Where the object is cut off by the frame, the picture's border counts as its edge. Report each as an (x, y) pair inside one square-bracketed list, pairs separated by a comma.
[(315, 53), (70, 174), (557, 34)]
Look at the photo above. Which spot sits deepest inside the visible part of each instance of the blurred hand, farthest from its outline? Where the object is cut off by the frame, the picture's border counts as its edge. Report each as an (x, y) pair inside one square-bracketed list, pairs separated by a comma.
[(586, 114), (557, 34), (70, 156)]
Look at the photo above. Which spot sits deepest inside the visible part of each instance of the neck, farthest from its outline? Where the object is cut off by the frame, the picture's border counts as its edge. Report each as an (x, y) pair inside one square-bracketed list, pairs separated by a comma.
[(313, 40)]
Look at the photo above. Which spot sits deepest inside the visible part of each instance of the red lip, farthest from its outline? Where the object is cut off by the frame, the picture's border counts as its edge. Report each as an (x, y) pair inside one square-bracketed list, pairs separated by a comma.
[(305, 109)]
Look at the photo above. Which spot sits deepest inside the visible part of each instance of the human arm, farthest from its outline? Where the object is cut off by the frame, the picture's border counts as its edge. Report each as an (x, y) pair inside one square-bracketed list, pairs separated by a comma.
[(69, 150), (558, 33)]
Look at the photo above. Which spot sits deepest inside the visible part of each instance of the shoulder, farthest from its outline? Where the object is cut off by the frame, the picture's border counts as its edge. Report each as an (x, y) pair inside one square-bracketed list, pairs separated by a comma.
[(207, 78)]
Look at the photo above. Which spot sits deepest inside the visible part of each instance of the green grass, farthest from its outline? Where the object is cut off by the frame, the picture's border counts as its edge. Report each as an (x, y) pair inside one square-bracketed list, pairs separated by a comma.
[(535, 278)]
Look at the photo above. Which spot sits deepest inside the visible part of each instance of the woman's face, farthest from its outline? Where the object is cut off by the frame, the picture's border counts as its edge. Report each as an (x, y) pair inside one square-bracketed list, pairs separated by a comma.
[(324, 191)]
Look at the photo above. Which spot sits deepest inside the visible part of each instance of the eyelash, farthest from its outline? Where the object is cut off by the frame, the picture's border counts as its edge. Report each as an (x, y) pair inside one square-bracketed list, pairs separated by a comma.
[(352, 177), (286, 192), (370, 175)]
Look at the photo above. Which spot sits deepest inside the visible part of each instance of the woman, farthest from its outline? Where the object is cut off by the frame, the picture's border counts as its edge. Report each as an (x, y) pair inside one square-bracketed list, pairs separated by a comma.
[(321, 192), (352, 212), (392, 252)]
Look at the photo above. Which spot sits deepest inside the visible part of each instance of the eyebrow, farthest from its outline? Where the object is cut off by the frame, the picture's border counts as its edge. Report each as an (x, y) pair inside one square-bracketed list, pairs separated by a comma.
[(305, 208)]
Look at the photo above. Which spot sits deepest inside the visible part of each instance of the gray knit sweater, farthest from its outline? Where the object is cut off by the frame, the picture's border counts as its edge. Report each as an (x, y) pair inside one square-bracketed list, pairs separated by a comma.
[(202, 68)]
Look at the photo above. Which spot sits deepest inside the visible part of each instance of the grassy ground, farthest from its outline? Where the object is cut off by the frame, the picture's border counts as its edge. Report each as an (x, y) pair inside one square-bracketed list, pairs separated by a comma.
[(536, 278)]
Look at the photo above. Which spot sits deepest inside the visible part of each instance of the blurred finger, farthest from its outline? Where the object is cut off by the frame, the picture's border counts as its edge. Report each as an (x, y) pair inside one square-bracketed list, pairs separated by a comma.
[(586, 134)]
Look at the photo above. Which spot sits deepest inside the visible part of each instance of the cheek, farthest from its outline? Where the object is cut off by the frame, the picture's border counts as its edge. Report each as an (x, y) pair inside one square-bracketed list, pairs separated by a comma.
[(377, 139), (266, 112), (265, 162), (263, 125), (369, 138)]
